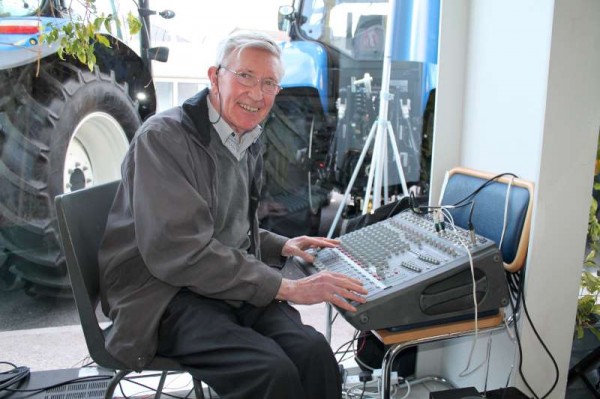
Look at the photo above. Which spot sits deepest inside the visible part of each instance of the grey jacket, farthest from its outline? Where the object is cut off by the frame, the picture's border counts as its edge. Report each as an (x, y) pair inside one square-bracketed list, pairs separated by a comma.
[(159, 235)]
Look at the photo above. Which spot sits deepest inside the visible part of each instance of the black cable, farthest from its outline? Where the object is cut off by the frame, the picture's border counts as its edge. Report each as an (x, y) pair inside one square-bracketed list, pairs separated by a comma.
[(334, 317), (220, 99), (122, 391), (515, 306), (424, 209), (541, 341), (187, 395), (15, 375), (470, 222), (153, 389), (391, 212), (350, 347), (463, 202), (363, 389), (483, 185), (521, 349)]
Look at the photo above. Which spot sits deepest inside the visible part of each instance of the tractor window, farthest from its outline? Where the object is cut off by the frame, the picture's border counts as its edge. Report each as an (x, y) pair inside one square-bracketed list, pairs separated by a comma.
[(353, 27), (18, 8)]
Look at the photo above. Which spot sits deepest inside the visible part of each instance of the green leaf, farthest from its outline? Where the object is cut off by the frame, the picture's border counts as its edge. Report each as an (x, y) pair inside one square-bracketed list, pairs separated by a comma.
[(134, 24), (77, 37), (102, 40), (107, 24), (98, 23)]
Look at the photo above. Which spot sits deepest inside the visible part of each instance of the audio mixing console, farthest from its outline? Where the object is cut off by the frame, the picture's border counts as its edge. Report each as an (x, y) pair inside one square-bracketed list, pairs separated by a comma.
[(418, 272)]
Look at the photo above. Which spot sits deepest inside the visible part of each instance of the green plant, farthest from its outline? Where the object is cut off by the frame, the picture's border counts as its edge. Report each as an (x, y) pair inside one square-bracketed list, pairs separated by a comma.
[(78, 37), (588, 310)]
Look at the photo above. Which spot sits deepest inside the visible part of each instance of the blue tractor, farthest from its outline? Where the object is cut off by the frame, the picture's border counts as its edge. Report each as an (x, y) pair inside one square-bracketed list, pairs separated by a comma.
[(63, 127), (330, 100)]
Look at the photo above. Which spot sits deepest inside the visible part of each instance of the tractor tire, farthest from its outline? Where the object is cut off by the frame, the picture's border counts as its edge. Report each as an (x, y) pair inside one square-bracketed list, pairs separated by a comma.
[(295, 144), (65, 129)]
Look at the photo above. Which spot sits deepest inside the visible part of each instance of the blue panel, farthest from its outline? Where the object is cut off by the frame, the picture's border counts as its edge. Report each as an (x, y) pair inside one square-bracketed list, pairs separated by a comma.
[(416, 31), (305, 66), (488, 211), (21, 49)]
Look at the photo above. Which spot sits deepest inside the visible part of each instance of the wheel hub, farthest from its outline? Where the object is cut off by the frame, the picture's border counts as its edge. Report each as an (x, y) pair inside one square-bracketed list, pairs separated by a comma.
[(95, 152)]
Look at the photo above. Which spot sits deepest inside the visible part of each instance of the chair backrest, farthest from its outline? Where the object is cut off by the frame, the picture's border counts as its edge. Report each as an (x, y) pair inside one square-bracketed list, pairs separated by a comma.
[(82, 219), (488, 218)]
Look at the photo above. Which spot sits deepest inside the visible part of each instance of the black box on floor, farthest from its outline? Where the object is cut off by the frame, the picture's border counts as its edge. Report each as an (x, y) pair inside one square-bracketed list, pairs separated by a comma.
[(86, 382), (457, 393), (506, 393), (472, 393)]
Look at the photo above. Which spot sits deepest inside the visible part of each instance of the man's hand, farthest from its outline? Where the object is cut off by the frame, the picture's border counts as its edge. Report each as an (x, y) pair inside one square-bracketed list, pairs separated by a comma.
[(323, 287), (297, 246)]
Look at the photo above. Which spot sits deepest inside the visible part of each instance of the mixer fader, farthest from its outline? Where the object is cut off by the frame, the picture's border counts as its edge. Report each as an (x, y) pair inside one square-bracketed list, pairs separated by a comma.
[(417, 271)]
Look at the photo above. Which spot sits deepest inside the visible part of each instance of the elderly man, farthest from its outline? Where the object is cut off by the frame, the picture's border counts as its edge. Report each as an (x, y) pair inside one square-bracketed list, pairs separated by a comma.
[(187, 273)]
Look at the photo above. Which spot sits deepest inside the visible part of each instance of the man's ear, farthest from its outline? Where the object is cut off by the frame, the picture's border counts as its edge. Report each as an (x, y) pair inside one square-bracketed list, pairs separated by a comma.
[(213, 77)]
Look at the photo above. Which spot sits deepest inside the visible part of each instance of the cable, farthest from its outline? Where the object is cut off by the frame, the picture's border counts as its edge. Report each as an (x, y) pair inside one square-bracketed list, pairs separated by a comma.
[(520, 349), (16, 375), (220, 99), (514, 305), (541, 341), (483, 185), (505, 221), (131, 380), (408, 389), (348, 344), (461, 241)]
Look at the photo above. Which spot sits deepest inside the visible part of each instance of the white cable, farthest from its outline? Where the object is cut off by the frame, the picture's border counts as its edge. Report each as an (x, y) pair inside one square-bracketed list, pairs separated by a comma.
[(361, 388), (474, 294), (443, 190), (505, 212), (407, 389), (361, 363), (464, 372), (511, 335)]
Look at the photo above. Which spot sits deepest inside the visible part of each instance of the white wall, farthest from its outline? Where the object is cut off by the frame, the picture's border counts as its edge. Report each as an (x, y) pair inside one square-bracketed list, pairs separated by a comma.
[(519, 91)]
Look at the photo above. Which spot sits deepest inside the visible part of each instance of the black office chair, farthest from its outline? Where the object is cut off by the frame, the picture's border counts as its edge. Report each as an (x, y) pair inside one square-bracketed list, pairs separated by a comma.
[(82, 218)]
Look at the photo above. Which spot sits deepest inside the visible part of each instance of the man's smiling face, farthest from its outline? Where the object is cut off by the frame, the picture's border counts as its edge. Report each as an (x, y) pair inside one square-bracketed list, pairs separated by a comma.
[(244, 107)]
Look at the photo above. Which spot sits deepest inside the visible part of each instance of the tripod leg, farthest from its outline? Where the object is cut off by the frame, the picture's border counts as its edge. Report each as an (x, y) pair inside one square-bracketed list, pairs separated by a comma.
[(373, 169), (352, 179), (390, 131)]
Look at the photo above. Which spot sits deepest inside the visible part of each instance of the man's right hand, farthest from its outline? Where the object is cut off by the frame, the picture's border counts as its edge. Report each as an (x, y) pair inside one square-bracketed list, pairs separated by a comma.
[(324, 286)]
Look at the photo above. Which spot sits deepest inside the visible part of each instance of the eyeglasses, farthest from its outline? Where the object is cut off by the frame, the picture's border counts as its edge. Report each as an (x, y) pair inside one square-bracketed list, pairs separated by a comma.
[(268, 86)]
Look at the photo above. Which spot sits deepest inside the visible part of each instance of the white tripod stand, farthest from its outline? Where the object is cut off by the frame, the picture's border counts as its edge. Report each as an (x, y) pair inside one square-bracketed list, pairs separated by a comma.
[(378, 173)]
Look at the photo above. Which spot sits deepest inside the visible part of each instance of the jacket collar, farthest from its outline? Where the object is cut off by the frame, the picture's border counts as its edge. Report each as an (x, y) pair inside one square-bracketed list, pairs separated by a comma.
[(196, 110)]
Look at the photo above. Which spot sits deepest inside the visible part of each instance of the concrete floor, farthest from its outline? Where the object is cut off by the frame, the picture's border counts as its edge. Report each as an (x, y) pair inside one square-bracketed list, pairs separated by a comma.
[(44, 335), (60, 347)]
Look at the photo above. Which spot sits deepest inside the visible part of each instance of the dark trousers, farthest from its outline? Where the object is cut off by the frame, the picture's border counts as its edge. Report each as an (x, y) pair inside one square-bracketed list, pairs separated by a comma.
[(249, 352)]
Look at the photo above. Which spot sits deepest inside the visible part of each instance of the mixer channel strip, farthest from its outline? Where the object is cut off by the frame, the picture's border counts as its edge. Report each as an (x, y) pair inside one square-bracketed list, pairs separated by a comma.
[(335, 260)]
